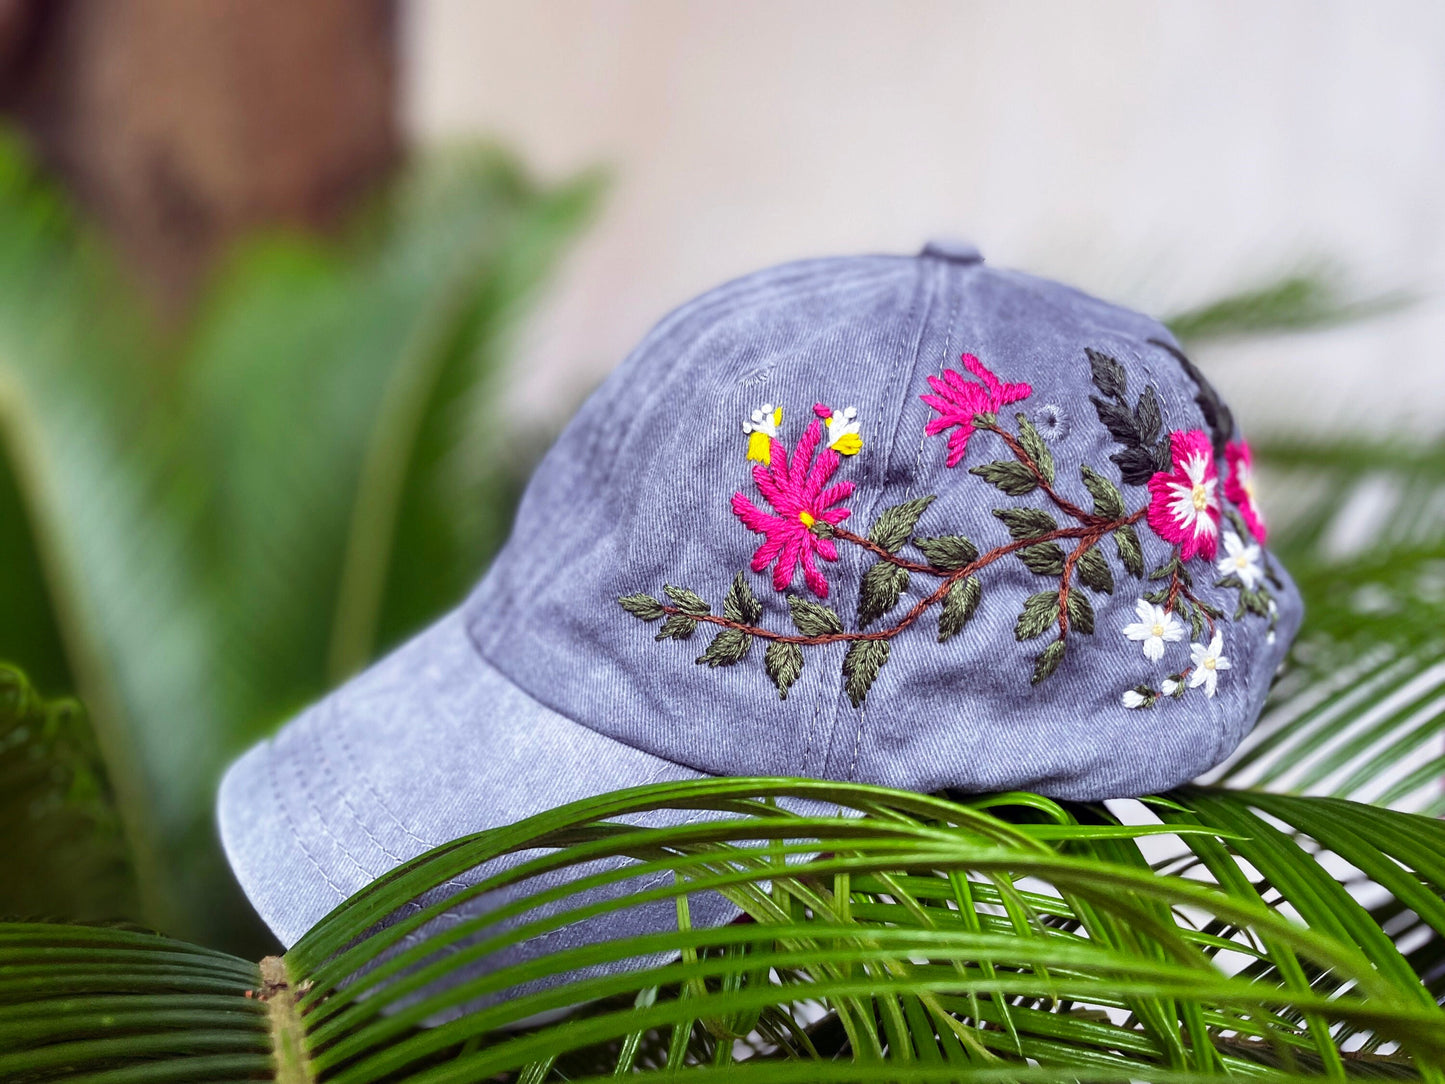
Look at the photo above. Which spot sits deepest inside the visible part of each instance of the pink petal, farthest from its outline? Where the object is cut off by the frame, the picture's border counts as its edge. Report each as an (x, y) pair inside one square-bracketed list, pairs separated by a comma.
[(938, 425), (958, 443), (787, 562), (776, 490), (973, 365), (812, 576), (827, 549), (822, 470), (804, 454), (833, 494), (835, 516), (753, 518), (823, 410), (767, 551)]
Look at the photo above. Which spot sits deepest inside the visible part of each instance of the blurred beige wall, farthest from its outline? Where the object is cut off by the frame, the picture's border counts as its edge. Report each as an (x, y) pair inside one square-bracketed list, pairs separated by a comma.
[(1155, 153)]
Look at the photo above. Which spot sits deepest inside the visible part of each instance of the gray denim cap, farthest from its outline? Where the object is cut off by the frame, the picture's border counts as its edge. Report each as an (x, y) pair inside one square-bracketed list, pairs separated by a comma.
[(912, 521)]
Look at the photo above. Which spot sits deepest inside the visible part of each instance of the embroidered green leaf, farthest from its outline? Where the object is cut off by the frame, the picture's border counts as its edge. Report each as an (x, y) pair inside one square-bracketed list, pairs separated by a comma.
[(727, 648), (1094, 572), (1045, 558), (812, 618), (1009, 475), (677, 627), (1127, 543), (1035, 446), (687, 601), (1039, 612), (1108, 374), (1108, 501), (1026, 522), (882, 584), (893, 525), (1147, 416), (1081, 612), (741, 604), (783, 662), (643, 606), (861, 665), (947, 552), (958, 606), (1048, 661), (1120, 422)]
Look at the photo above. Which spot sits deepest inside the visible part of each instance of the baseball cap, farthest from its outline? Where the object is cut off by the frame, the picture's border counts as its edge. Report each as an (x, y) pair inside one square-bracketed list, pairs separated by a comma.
[(904, 520)]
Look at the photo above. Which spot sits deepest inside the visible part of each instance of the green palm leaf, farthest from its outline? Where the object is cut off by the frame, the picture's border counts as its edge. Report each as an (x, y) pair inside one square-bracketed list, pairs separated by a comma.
[(939, 939)]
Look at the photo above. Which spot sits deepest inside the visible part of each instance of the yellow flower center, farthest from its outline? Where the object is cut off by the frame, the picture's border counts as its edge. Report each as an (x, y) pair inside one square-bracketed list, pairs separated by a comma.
[(1241, 561), (1157, 630), (1201, 498), (1209, 663), (807, 519)]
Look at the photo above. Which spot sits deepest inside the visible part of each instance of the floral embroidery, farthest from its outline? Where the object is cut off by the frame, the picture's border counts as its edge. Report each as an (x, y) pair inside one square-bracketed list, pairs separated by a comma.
[(1184, 508), (843, 428), (1239, 485), (1208, 663), (959, 401), (1240, 560), (1063, 542), (801, 498), (1155, 627), (762, 430), (1051, 421)]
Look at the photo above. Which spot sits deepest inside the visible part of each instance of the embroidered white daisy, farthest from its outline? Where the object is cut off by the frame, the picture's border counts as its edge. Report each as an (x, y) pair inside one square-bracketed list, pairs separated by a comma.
[(1133, 698), (1273, 619), (1208, 662), (1154, 628), (762, 430), (1240, 560)]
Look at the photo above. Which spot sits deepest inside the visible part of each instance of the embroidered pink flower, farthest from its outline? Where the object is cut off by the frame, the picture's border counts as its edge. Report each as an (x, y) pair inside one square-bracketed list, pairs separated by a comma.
[(800, 496), (1184, 503), (1239, 485), (957, 400)]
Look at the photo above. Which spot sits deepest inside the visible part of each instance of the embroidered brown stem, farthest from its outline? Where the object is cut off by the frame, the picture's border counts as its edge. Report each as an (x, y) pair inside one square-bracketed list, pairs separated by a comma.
[(882, 551), (1088, 534), (1178, 587), (1022, 455)]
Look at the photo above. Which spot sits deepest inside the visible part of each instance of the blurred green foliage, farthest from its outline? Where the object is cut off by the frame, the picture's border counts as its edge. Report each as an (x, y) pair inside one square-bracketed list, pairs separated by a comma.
[(202, 531)]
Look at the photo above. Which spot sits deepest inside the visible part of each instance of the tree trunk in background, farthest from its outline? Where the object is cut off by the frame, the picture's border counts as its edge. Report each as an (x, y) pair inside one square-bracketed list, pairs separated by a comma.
[(178, 124)]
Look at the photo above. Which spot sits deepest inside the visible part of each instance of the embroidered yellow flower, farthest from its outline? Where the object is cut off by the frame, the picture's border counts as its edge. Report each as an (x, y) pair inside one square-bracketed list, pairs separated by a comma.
[(762, 430), (843, 426)]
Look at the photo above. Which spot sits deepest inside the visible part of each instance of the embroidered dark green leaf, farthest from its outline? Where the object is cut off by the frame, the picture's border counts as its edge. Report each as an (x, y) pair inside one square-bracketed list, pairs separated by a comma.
[(643, 606), (1035, 446), (1045, 558), (1127, 543), (1216, 414), (783, 662), (1094, 572), (1009, 475), (1039, 612), (1119, 420), (882, 584), (893, 525), (948, 552), (677, 627), (1081, 612), (741, 604), (1108, 374), (687, 601), (1108, 501), (1147, 416), (727, 648), (812, 618), (958, 606), (861, 665), (1140, 463), (1026, 522), (1048, 661)]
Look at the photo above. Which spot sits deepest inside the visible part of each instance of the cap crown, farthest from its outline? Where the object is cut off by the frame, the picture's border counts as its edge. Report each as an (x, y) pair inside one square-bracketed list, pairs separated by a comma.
[(1027, 556)]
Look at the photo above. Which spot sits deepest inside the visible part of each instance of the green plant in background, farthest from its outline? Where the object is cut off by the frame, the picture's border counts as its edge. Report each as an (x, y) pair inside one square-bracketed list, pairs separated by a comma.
[(1279, 933), (201, 533)]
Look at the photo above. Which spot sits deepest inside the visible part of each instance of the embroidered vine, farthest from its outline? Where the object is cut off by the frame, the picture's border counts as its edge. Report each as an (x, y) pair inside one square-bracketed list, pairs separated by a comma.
[(802, 525)]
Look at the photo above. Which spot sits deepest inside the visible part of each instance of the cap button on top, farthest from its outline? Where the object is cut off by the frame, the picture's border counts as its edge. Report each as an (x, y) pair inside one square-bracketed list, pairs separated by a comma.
[(952, 250)]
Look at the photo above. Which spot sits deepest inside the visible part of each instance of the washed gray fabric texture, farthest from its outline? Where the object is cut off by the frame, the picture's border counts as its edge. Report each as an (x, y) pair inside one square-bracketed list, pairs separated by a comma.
[(541, 688)]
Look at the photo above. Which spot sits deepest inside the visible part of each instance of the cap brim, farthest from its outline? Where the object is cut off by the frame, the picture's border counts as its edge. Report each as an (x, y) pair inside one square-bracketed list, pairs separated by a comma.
[(429, 744)]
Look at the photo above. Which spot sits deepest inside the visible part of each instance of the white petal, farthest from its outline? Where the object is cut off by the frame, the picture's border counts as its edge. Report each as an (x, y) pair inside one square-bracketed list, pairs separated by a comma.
[(1197, 654), (1138, 631), (1211, 679), (1153, 649), (1145, 610), (1169, 687), (1198, 677), (1222, 663), (1132, 699), (1216, 643)]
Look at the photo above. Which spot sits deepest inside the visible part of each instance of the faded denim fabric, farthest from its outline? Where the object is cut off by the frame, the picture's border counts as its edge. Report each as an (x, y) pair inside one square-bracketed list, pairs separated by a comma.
[(541, 689)]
